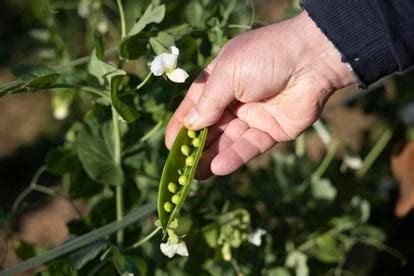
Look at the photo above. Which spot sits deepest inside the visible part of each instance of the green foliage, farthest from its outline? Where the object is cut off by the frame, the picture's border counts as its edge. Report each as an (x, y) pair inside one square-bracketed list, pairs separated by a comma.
[(35, 75), (113, 153), (153, 14), (95, 151)]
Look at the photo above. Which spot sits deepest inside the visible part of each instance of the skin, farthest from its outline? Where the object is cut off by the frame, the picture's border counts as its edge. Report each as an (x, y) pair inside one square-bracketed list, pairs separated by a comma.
[(266, 86)]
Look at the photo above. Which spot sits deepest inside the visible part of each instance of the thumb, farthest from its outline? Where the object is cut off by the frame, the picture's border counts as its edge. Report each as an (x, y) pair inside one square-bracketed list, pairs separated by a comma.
[(216, 96)]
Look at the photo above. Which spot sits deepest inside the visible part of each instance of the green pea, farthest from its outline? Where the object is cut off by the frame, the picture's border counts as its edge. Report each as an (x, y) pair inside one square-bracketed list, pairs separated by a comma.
[(189, 161), (172, 187), (175, 199), (196, 142), (168, 207), (185, 150), (192, 134), (182, 180)]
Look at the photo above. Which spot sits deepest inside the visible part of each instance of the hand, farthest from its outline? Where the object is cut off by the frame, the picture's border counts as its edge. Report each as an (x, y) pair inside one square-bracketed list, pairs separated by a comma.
[(265, 86)]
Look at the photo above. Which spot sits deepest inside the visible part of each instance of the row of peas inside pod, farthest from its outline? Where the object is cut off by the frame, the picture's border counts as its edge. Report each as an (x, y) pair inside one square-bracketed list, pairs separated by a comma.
[(178, 173)]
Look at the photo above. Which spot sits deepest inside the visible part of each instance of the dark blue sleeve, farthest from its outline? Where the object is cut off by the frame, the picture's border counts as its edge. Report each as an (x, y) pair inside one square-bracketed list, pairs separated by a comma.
[(376, 37)]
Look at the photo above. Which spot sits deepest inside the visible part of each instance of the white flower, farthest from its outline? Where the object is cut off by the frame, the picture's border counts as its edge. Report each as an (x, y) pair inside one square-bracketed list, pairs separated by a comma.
[(84, 9), (166, 63), (255, 237), (102, 27), (170, 250), (354, 162), (60, 112)]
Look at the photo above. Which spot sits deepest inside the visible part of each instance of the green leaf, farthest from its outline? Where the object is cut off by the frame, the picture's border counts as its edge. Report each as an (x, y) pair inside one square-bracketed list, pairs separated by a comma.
[(81, 241), (35, 75), (125, 264), (100, 46), (60, 161), (94, 149), (61, 267), (153, 14), (194, 13), (178, 32), (372, 232), (298, 261), (322, 189), (86, 254), (11, 87), (161, 43), (126, 109), (278, 271), (328, 250), (103, 72), (24, 250), (211, 235)]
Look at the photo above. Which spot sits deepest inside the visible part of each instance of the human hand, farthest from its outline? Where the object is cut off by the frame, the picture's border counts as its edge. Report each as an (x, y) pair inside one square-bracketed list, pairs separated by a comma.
[(265, 86)]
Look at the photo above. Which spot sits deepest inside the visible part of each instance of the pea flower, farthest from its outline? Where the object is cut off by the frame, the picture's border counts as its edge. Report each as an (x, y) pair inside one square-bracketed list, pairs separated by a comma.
[(170, 249), (166, 63), (255, 237)]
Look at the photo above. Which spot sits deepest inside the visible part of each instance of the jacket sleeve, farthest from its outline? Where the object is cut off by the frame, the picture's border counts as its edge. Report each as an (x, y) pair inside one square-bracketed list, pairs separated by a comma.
[(375, 37)]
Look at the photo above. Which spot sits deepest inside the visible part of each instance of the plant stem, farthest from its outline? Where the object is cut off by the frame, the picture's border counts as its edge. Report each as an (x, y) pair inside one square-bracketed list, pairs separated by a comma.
[(322, 132), (122, 17), (139, 86), (146, 238), (300, 146), (150, 133), (375, 152), (238, 26), (28, 189), (85, 88), (119, 195), (327, 160), (82, 60)]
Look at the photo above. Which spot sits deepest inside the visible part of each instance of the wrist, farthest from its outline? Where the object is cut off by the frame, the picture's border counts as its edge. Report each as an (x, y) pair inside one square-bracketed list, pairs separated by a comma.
[(319, 54)]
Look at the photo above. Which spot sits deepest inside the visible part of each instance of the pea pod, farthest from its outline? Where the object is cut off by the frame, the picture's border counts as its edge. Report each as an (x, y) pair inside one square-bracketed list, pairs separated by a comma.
[(178, 173)]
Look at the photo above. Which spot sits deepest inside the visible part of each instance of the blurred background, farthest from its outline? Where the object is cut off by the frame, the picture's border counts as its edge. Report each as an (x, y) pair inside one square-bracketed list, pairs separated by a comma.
[(368, 133)]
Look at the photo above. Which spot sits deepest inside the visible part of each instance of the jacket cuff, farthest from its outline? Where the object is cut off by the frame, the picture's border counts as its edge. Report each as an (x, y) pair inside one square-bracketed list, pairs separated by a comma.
[(359, 35)]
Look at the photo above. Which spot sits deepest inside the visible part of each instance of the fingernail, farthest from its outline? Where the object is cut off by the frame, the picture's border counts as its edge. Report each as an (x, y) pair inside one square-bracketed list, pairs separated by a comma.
[(191, 118)]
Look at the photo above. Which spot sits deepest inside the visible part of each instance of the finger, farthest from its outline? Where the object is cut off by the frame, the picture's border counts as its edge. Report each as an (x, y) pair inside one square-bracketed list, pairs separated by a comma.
[(247, 146), (233, 130), (218, 128), (216, 96), (189, 101), (257, 116)]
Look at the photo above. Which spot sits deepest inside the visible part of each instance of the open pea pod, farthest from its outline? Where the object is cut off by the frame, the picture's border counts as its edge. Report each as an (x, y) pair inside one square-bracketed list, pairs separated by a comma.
[(178, 173)]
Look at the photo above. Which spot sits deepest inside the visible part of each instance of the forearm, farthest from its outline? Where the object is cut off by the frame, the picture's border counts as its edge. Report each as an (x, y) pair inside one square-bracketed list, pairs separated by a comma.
[(374, 37)]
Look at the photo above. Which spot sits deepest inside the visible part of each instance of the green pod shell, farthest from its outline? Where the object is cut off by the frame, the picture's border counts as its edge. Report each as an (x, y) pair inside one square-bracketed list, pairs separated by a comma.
[(176, 161)]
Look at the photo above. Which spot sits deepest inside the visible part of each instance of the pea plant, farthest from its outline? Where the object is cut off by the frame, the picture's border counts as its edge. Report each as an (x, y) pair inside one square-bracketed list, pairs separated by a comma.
[(115, 103)]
